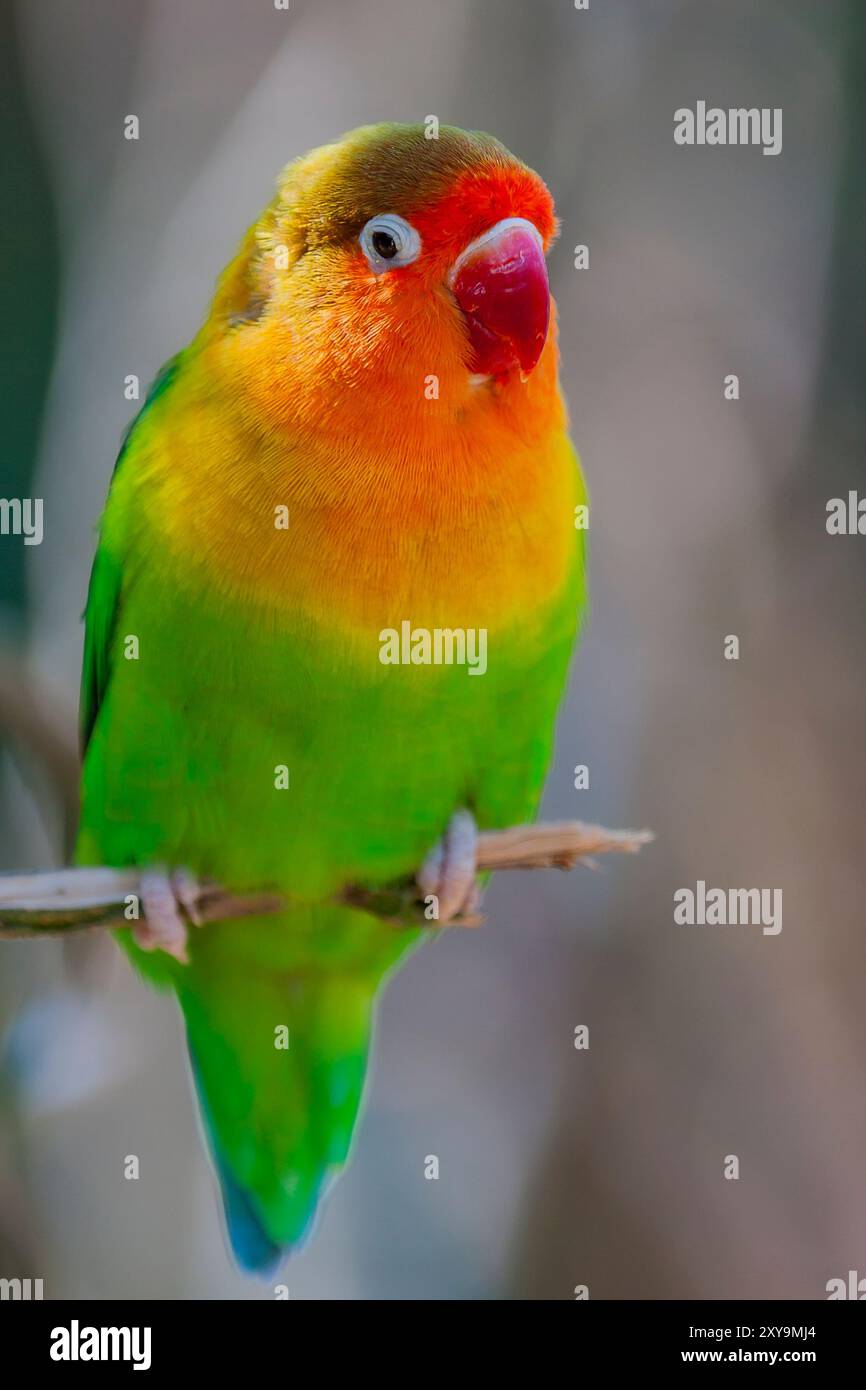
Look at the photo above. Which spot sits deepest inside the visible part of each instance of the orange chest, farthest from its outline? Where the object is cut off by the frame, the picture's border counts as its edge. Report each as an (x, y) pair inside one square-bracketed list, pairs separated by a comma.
[(479, 536)]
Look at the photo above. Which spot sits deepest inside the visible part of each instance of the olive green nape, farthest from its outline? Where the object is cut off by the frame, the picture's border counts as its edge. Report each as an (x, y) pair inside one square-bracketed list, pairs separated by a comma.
[(334, 190)]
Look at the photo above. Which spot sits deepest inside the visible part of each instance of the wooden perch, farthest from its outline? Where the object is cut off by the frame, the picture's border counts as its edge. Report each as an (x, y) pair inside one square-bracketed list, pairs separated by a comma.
[(79, 899)]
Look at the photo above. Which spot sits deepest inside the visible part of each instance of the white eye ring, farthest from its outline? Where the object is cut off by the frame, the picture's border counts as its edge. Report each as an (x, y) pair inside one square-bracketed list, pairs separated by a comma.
[(385, 232)]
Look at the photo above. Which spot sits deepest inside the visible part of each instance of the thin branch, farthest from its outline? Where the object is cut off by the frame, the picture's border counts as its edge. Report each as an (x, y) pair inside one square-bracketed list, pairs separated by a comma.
[(80, 899)]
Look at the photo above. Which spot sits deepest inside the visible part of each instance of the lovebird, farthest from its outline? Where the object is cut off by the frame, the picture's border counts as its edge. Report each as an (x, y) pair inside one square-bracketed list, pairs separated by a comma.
[(337, 585)]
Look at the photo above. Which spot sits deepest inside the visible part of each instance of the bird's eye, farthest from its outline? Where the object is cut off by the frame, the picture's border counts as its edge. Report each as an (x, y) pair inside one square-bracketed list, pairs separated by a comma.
[(389, 241), (384, 245)]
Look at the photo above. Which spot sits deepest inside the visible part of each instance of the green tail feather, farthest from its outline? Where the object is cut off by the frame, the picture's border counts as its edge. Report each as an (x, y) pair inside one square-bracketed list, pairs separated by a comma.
[(280, 1118)]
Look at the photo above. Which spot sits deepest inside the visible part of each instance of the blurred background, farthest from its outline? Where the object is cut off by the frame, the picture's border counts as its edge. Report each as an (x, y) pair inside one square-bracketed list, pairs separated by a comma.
[(558, 1167)]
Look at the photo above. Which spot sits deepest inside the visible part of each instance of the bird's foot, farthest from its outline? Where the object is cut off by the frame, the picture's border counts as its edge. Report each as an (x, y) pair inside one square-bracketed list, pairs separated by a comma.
[(448, 873), (165, 898)]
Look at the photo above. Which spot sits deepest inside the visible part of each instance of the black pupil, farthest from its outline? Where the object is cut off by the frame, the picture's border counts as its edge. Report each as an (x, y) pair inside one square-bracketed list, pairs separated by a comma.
[(384, 245)]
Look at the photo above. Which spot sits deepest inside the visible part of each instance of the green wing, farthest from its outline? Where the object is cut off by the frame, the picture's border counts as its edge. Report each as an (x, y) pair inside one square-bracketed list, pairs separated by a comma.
[(99, 616), (103, 593)]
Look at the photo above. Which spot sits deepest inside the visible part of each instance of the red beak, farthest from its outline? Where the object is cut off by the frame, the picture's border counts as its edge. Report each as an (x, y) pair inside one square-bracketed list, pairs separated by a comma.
[(500, 283)]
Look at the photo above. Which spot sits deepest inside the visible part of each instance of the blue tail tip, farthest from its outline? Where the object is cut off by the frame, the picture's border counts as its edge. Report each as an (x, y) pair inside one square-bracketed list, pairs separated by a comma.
[(253, 1248)]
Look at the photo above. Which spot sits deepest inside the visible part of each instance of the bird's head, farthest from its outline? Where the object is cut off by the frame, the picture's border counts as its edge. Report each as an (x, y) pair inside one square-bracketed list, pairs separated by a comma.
[(392, 269)]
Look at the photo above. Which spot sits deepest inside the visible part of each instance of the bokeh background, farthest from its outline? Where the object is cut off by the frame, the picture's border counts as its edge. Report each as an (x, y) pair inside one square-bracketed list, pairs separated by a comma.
[(558, 1167)]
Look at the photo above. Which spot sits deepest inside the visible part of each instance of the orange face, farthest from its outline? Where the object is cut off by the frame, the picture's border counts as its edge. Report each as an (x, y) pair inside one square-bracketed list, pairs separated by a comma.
[(392, 268), (379, 359)]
